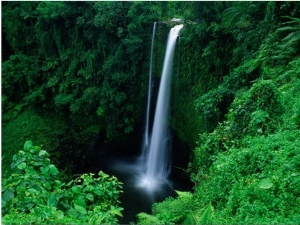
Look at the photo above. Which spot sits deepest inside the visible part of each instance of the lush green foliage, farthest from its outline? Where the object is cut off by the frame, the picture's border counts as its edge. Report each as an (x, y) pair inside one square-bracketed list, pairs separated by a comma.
[(34, 195), (259, 111), (180, 210), (79, 73), (80, 59), (238, 16), (245, 168), (255, 182), (49, 130)]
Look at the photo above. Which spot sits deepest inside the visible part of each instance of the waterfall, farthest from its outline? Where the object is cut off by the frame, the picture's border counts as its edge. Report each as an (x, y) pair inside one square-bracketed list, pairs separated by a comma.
[(157, 159), (145, 146), (150, 86)]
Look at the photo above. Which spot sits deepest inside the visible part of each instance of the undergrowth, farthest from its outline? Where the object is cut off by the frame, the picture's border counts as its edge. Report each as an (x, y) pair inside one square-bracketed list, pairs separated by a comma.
[(246, 171), (33, 193), (22, 123)]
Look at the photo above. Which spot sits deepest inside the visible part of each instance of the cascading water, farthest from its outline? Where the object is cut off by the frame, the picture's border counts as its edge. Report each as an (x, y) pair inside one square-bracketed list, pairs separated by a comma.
[(146, 142), (145, 181), (157, 162)]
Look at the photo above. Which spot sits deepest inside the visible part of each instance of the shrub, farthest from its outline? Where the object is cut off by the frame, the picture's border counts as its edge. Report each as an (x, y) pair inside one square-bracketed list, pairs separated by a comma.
[(34, 195), (257, 182), (257, 111), (181, 210)]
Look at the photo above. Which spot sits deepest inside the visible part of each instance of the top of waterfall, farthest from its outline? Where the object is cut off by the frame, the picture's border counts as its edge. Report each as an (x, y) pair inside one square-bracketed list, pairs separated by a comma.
[(179, 26), (172, 22), (176, 20), (177, 29)]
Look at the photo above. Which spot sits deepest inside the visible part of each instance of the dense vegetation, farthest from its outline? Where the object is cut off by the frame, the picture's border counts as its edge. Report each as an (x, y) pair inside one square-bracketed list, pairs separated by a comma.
[(34, 195), (75, 75)]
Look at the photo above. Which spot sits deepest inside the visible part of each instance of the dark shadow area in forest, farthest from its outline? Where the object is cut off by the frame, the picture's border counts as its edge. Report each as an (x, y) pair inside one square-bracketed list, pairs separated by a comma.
[(135, 199)]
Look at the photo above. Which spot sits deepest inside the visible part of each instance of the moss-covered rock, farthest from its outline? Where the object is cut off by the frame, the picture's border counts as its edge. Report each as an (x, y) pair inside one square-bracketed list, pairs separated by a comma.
[(48, 129)]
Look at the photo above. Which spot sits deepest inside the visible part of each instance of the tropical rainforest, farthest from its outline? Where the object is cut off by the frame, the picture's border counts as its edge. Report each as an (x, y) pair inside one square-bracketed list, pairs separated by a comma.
[(74, 91)]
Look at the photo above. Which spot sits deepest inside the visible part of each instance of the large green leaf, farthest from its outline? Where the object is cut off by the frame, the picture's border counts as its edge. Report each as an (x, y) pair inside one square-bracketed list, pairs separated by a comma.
[(28, 144), (76, 189), (184, 194), (116, 211), (43, 153), (47, 185), (80, 205), (22, 166), (53, 169), (8, 195), (80, 209), (90, 197), (98, 192), (72, 213), (52, 201), (265, 183)]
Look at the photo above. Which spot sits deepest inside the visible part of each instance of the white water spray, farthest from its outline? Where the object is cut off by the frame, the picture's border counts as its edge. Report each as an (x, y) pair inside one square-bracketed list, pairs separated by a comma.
[(157, 159)]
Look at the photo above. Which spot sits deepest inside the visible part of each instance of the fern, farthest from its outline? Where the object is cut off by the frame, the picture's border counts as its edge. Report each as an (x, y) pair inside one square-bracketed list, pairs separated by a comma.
[(207, 215), (184, 195), (170, 211), (282, 45), (145, 218), (203, 216)]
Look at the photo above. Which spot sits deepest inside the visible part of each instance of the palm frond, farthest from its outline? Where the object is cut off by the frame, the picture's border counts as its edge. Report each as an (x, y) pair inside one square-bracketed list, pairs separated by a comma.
[(236, 16), (292, 32)]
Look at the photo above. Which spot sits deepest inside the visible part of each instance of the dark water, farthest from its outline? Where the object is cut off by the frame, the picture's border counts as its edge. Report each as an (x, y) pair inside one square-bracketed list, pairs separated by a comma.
[(136, 199), (116, 159)]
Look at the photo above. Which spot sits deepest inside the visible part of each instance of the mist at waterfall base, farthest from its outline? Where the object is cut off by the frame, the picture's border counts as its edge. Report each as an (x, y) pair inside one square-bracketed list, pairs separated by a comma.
[(146, 178)]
